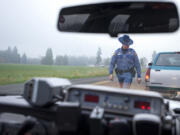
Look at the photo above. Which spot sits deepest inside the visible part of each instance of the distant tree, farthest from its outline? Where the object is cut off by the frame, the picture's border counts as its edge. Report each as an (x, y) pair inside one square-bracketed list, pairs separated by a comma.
[(43, 60), (98, 56), (24, 59), (65, 60), (81, 60), (107, 61), (153, 55), (59, 60), (35, 61), (15, 51), (48, 59), (143, 61), (9, 50), (2, 59), (15, 56), (9, 55), (91, 60), (49, 56), (6, 56), (62, 60)]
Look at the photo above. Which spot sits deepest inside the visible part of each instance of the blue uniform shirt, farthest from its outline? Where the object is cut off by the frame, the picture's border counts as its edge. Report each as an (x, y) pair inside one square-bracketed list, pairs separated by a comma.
[(125, 61)]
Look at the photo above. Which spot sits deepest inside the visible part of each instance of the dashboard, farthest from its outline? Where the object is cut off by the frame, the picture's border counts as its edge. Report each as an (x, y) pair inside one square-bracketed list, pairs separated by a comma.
[(93, 110), (116, 100)]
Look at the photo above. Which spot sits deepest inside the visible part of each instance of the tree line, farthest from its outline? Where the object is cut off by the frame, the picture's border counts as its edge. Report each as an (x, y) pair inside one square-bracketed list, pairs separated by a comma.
[(13, 56)]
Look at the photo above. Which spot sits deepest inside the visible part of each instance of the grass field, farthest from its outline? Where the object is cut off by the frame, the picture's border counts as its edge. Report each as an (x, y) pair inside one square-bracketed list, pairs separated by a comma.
[(17, 73)]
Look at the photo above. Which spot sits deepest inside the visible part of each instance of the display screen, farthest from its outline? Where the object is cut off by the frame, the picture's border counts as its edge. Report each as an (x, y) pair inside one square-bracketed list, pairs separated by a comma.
[(91, 98), (142, 105)]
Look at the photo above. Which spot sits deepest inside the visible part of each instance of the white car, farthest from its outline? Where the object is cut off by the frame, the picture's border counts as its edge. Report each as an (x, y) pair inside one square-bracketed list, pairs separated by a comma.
[(164, 73)]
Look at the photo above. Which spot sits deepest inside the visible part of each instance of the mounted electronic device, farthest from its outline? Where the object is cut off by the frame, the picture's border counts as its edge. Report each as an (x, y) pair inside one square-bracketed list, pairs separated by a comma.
[(44, 91)]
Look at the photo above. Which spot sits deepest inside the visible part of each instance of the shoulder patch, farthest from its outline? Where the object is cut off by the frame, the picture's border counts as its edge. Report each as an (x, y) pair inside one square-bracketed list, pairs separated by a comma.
[(116, 52), (135, 53)]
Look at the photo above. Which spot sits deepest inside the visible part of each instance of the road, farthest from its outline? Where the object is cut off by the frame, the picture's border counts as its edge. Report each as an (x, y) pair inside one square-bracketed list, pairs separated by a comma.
[(115, 83), (18, 88)]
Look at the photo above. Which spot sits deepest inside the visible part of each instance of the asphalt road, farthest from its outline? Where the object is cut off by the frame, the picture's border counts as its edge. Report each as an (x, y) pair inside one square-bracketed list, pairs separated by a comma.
[(115, 83), (18, 88)]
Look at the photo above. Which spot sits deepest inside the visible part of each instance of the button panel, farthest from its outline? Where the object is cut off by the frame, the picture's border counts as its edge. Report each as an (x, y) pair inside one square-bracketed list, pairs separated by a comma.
[(116, 103)]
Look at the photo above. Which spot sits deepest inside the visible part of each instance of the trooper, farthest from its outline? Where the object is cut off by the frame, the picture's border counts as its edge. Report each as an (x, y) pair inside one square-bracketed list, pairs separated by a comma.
[(126, 63)]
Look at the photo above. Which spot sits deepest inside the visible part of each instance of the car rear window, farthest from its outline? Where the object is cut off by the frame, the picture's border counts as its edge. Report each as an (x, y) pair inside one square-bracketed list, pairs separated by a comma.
[(172, 59)]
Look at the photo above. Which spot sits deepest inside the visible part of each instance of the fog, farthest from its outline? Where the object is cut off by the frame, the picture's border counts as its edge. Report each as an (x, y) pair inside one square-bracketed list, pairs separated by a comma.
[(31, 27)]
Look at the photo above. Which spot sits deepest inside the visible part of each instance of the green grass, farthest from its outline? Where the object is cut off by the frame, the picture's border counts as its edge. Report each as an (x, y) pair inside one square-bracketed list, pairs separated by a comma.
[(17, 73)]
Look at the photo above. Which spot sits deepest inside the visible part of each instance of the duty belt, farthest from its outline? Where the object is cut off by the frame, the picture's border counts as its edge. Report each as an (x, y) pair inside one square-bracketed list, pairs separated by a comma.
[(123, 71)]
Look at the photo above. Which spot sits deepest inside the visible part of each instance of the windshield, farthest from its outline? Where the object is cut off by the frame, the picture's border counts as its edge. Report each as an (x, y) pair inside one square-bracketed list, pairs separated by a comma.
[(31, 45)]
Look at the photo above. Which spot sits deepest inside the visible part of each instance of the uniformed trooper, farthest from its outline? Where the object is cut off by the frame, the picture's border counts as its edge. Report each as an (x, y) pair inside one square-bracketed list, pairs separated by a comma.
[(125, 61)]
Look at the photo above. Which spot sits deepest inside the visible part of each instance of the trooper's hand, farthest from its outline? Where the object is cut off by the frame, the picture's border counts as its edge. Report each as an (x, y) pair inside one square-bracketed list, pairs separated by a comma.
[(111, 77), (139, 80)]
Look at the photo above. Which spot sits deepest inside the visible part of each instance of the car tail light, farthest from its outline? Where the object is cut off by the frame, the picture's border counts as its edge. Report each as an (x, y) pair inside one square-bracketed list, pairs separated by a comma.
[(147, 76)]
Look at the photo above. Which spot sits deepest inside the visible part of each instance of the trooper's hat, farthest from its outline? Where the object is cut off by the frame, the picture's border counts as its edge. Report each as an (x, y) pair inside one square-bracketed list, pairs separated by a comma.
[(125, 40)]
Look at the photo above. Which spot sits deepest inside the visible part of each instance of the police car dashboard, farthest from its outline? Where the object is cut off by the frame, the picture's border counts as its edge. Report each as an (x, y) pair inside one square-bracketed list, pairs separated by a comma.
[(116, 101), (54, 106)]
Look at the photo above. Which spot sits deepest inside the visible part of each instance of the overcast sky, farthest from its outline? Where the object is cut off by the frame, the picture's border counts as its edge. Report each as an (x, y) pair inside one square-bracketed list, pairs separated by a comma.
[(30, 25)]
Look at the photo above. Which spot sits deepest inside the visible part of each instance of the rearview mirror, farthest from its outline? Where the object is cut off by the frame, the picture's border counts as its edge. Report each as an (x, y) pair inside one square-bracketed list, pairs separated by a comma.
[(120, 17)]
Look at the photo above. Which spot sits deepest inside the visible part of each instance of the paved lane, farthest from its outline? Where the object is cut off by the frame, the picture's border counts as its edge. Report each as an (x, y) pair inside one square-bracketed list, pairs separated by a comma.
[(18, 88)]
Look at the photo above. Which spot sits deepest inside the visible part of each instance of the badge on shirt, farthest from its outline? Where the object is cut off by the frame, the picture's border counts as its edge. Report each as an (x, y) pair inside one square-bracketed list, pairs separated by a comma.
[(119, 53), (129, 53)]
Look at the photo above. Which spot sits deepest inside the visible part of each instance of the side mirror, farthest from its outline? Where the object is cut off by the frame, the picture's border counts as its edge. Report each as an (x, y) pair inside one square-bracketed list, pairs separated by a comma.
[(149, 64)]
